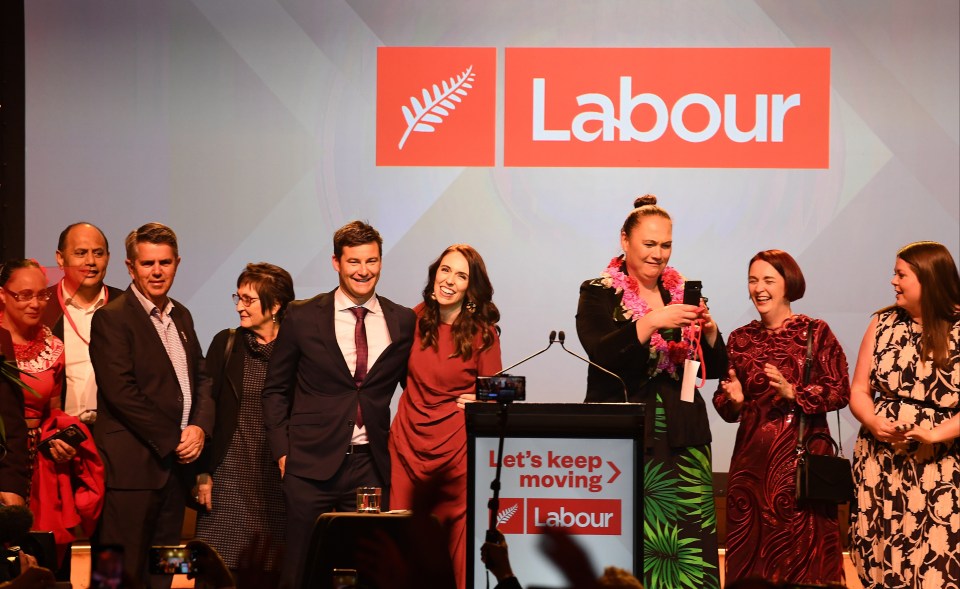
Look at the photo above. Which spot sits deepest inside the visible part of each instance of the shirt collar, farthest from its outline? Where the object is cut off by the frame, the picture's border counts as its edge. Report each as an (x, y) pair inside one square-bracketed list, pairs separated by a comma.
[(341, 302), (148, 305), (68, 299)]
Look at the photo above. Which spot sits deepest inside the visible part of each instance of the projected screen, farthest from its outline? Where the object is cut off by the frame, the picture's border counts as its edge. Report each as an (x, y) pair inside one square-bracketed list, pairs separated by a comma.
[(256, 128)]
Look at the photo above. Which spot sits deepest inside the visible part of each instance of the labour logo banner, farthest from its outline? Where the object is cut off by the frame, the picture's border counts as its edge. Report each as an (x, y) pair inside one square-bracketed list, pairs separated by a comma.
[(667, 107), (436, 106)]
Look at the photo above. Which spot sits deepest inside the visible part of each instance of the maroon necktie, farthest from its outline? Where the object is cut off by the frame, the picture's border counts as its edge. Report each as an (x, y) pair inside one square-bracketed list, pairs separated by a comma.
[(360, 337)]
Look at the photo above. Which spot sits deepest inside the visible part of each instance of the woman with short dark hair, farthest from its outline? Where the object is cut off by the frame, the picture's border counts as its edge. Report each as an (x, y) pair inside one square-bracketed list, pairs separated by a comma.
[(769, 534), (238, 488)]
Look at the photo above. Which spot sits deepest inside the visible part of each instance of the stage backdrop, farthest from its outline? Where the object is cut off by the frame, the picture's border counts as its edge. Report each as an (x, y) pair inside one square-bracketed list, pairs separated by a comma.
[(256, 128)]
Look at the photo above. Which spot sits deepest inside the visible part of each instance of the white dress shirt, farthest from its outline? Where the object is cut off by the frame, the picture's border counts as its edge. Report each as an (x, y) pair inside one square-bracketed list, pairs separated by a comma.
[(81, 397), (378, 338)]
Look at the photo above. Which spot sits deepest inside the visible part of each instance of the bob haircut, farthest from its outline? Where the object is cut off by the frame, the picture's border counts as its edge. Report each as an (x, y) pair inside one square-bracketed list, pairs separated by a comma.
[(787, 267)]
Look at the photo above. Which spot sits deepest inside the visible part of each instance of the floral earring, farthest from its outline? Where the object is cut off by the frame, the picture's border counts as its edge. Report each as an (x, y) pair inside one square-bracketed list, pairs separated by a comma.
[(470, 305)]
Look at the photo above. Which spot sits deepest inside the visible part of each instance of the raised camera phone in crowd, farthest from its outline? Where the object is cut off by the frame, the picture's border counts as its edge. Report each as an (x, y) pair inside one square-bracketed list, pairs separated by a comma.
[(172, 560), (106, 566), (344, 578), (9, 563), (504, 388)]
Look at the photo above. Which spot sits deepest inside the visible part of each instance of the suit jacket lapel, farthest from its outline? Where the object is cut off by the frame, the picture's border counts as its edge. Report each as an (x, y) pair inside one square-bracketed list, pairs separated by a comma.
[(328, 332), (392, 320), (140, 316)]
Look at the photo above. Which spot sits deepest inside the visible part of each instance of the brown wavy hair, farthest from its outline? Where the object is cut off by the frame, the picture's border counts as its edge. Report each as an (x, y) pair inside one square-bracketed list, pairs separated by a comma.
[(939, 296), (478, 313)]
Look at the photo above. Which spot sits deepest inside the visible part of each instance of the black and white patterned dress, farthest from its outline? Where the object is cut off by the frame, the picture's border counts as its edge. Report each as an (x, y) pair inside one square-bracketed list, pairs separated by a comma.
[(247, 499), (905, 528)]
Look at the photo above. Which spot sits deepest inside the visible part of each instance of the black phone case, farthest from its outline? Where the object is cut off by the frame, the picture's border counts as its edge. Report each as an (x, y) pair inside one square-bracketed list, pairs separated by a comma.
[(72, 435), (692, 292)]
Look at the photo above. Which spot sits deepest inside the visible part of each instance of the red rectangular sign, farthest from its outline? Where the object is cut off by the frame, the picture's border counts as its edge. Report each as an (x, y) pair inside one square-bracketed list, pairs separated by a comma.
[(667, 107), (597, 517)]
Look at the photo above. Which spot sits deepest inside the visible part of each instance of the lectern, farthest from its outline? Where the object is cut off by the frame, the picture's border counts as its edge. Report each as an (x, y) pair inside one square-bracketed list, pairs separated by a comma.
[(573, 465)]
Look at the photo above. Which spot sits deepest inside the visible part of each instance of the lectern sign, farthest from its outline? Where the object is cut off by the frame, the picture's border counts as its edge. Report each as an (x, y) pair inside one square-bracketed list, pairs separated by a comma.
[(585, 486)]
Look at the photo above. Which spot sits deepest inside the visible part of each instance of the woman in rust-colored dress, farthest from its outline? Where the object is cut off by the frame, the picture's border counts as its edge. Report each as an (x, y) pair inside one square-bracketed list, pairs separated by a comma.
[(456, 341), (769, 534)]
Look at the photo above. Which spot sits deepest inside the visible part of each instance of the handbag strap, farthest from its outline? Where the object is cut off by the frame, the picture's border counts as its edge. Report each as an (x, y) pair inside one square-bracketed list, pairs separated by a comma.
[(807, 369), (228, 349)]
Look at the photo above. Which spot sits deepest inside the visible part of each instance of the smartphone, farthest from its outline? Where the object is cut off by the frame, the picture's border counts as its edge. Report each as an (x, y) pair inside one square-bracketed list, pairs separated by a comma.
[(106, 566), (344, 578), (172, 560), (503, 388), (692, 292), (72, 435)]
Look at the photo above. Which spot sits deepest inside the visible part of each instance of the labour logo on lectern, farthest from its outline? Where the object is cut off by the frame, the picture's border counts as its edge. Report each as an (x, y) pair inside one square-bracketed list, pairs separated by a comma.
[(510, 516), (596, 517), (436, 106)]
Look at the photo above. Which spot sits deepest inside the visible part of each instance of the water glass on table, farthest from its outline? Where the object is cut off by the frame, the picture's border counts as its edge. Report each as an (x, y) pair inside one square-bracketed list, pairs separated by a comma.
[(368, 499)]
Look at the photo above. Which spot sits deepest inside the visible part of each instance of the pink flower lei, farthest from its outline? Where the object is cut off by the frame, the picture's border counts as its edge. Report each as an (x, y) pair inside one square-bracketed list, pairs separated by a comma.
[(667, 355)]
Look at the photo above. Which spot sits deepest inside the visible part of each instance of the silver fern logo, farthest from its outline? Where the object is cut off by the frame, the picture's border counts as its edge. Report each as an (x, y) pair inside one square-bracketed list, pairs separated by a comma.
[(435, 107), (505, 515)]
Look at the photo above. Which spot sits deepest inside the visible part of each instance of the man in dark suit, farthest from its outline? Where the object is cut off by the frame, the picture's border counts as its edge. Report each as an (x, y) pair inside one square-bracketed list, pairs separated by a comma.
[(326, 401), (83, 254), (154, 405)]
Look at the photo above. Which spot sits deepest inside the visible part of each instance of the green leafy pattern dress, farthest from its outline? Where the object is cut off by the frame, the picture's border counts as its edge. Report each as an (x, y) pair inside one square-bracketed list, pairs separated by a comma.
[(679, 520)]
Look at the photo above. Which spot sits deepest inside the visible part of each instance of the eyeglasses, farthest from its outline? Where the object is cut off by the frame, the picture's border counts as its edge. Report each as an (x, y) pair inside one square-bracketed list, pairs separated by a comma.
[(247, 301), (25, 296)]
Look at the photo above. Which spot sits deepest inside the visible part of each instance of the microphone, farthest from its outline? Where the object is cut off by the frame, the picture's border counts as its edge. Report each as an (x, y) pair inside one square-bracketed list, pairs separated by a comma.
[(553, 338), (626, 397)]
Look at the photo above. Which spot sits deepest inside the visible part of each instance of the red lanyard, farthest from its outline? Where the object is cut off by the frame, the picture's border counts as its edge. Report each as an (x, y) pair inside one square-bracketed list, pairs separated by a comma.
[(63, 306), (698, 351)]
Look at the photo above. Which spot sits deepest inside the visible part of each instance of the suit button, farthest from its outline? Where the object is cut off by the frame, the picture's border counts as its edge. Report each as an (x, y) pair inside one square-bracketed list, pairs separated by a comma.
[(181, 398), (350, 423)]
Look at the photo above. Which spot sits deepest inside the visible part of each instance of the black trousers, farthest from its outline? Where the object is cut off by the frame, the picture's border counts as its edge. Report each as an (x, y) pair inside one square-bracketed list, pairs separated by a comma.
[(308, 499), (138, 519)]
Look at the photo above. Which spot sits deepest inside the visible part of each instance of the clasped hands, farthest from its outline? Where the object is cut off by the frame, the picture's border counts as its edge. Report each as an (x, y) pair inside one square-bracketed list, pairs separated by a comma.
[(733, 389)]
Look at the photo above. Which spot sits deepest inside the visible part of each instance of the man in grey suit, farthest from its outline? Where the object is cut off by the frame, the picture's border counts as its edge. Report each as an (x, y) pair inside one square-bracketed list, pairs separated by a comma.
[(155, 408), (326, 401)]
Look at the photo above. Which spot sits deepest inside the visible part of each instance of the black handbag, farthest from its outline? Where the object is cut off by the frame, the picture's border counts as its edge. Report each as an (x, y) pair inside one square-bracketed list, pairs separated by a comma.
[(821, 477)]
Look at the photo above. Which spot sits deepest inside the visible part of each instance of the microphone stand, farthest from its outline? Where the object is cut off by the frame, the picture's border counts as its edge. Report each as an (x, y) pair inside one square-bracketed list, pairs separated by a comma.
[(553, 338), (626, 396), (494, 504)]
